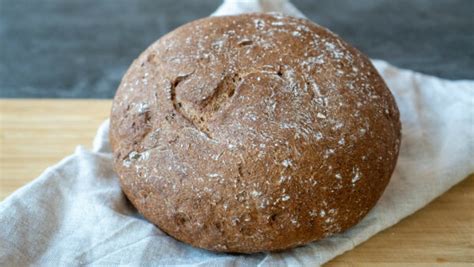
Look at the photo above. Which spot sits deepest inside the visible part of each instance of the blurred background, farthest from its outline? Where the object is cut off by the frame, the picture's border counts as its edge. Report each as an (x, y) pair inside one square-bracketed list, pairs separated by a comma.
[(81, 48)]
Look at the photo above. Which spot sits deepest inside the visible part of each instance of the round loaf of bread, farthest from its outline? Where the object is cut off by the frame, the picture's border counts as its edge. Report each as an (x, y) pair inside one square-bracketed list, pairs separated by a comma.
[(256, 132)]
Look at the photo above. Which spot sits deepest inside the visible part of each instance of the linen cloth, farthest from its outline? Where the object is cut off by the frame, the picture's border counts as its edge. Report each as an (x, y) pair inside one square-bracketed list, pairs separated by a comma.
[(76, 214)]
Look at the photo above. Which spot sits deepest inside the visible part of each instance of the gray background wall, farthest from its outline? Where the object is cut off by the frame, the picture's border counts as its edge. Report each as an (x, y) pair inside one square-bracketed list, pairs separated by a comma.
[(81, 48)]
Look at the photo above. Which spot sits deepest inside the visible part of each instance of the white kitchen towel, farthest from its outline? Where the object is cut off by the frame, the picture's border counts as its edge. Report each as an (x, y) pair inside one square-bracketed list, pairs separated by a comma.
[(76, 214)]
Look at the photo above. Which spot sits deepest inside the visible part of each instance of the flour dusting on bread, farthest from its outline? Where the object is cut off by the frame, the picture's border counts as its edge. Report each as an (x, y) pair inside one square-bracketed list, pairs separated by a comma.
[(255, 132)]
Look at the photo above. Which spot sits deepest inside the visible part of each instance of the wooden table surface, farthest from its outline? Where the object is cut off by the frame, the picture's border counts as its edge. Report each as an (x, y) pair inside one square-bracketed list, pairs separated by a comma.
[(35, 134)]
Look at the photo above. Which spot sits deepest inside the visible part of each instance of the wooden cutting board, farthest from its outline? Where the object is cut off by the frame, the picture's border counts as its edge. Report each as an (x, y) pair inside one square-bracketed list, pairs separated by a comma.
[(38, 133)]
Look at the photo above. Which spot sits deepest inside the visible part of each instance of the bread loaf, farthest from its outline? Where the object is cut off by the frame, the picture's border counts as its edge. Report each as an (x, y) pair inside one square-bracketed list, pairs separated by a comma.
[(257, 132)]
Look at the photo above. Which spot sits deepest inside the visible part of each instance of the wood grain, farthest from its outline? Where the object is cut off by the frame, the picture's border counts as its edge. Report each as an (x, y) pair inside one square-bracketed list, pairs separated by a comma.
[(35, 134), (38, 133)]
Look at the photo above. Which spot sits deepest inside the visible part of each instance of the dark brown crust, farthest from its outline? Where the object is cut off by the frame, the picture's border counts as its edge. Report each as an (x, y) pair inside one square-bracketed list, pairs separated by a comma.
[(253, 133)]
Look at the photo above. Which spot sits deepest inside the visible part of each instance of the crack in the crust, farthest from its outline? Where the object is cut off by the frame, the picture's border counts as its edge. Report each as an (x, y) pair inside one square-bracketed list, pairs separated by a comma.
[(179, 108), (208, 107), (224, 90), (239, 169), (245, 42)]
